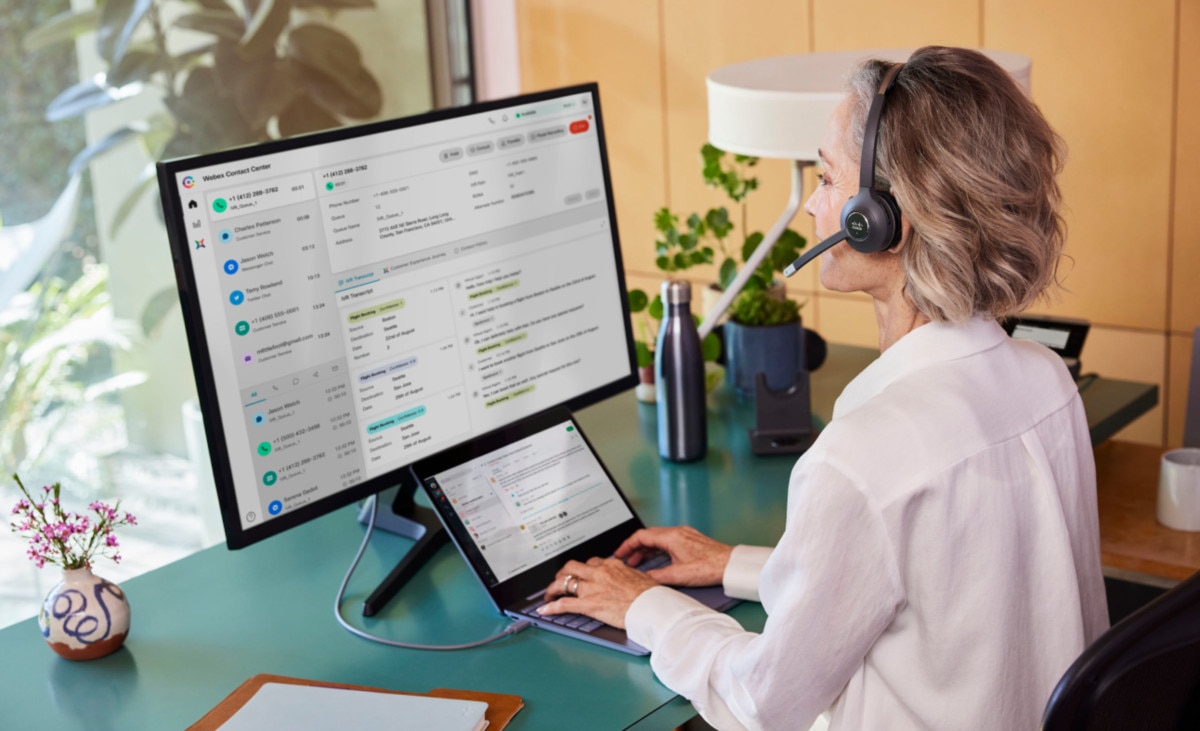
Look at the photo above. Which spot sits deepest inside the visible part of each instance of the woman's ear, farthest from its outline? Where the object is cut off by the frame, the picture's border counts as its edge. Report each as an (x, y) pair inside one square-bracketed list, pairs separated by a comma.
[(905, 234)]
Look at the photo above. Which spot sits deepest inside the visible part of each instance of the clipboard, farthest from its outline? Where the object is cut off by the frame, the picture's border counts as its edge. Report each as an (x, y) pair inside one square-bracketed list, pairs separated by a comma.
[(501, 707)]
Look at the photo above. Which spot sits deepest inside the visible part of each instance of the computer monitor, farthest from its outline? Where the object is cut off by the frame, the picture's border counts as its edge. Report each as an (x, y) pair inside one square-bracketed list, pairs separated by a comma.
[(358, 299)]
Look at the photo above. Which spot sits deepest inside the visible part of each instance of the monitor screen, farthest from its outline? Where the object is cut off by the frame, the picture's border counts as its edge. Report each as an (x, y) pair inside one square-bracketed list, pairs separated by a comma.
[(359, 299)]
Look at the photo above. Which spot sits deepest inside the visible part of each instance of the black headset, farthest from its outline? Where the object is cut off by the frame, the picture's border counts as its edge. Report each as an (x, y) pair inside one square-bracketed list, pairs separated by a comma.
[(871, 219)]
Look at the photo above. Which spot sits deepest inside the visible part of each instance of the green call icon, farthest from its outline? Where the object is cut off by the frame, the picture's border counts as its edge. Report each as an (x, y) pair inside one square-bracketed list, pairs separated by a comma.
[(242, 327), (329, 185), (269, 479), (219, 205), (264, 449)]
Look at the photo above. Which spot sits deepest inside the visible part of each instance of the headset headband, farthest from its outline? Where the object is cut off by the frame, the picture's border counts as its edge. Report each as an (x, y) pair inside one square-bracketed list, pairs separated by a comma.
[(866, 177)]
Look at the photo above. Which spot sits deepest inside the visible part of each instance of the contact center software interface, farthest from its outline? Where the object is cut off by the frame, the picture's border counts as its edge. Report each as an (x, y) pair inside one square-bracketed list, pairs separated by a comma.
[(370, 301)]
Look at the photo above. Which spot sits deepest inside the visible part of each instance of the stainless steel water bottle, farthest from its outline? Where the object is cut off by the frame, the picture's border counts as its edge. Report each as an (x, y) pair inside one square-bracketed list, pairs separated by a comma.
[(679, 374)]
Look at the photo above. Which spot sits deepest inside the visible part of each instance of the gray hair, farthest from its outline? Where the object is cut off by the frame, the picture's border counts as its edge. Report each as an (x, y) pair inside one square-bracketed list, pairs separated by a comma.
[(973, 166)]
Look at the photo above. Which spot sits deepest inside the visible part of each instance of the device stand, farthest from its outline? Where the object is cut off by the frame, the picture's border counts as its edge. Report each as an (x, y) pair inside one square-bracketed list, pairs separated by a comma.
[(410, 520), (784, 418)]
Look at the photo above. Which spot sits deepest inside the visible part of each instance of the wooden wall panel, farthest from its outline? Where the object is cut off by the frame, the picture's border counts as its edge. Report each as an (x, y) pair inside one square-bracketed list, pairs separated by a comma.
[(1131, 356), (698, 37), (1178, 381), (1103, 75), (1185, 269), (615, 43), (842, 25)]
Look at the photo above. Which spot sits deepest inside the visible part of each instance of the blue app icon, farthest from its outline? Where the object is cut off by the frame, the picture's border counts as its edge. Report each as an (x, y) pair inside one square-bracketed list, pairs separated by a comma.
[(236, 297), (259, 419), (225, 236), (231, 266), (275, 508)]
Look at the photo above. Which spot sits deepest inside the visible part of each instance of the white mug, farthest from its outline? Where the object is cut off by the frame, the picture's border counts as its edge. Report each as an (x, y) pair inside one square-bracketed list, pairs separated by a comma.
[(1179, 489)]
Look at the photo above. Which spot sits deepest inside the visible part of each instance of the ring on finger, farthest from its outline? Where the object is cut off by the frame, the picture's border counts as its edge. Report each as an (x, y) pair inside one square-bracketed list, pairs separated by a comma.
[(573, 589), (567, 583)]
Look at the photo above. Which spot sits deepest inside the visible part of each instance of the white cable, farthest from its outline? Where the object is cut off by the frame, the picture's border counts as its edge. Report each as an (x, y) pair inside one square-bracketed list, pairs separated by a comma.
[(512, 629)]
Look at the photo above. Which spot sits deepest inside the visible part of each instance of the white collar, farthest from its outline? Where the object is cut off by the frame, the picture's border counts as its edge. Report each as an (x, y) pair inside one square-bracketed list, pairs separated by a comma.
[(934, 342)]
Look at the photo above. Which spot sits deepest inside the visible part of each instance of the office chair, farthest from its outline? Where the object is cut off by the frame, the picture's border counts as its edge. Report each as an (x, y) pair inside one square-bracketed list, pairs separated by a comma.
[(1143, 673)]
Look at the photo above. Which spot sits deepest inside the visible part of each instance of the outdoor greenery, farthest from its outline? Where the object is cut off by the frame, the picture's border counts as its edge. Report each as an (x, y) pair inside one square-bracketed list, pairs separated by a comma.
[(54, 343), (36, 154)]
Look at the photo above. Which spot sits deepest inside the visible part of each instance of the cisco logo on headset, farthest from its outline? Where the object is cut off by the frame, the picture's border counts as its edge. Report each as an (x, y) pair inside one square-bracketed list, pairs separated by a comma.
[(857, 226), (189, 182)]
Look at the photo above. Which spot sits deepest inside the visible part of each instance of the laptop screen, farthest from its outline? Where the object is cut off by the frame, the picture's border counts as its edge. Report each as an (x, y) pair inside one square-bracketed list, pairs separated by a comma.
[(528, 500)]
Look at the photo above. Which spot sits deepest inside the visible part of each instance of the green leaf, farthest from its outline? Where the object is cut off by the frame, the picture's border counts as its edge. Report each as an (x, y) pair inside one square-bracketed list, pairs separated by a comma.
[(269, 20), (119, 20), (144, 182), (357, 97), (79, 98), (664, 220), (727, 273), (637, 300), (156, 310), (656, 307), (87, 154), (63, 27), (663, 263), (138, 64), (302, 116), (711, 154), (694, 221), (334, 55), (699, 258), (750, 244), (672, 237), (221, 23), (687, 242), (680, 261), (710, 347), (645, 357), (718, 221)]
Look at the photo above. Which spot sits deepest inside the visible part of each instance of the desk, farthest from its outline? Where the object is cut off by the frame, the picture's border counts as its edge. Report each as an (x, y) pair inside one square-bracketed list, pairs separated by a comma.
[(204, 624)]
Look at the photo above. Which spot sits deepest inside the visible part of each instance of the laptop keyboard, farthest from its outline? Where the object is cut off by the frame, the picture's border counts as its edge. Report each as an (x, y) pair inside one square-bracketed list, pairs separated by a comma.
[(581, 622)]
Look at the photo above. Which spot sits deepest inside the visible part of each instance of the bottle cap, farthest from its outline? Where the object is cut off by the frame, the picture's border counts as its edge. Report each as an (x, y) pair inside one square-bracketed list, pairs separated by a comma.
[(676, 292)]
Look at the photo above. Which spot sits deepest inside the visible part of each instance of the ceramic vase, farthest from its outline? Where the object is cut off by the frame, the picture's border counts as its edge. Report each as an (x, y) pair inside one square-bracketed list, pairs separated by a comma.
[(84, 616)]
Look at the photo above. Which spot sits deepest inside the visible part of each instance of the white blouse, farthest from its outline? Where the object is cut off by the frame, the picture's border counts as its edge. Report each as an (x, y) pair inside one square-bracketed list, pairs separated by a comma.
[(940, 564)]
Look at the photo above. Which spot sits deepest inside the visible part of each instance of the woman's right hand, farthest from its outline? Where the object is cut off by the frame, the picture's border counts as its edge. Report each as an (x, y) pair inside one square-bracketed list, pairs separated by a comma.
[(696, 559)]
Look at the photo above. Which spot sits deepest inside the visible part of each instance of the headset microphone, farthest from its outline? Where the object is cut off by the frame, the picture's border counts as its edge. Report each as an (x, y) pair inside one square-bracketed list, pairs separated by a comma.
[(816, 251)]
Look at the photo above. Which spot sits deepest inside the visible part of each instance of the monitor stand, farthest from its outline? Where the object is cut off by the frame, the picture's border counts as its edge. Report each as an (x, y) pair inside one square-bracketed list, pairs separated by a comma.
[(405, 518)]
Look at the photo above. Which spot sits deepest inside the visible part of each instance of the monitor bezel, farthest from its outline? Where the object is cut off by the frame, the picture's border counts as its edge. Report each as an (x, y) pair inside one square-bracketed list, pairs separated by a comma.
[(236, 536)]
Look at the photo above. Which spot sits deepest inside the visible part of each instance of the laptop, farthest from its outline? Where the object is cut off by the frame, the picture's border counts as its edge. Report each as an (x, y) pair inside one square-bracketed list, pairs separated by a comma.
[(521, 501)]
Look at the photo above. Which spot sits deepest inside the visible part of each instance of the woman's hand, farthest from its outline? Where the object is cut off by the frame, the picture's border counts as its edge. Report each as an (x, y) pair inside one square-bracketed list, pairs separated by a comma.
[(696, 559), (602, 588)]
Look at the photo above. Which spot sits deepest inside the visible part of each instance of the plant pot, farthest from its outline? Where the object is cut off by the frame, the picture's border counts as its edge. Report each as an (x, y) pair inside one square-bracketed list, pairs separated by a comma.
[(84, 616), (776, 350), (645, 390)]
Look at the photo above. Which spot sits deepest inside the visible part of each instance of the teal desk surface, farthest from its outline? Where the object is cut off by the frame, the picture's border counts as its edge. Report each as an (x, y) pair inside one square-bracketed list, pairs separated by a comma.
[(203, 625)]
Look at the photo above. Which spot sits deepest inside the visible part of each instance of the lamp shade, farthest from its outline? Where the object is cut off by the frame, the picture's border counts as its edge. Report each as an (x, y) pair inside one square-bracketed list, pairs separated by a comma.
[(778, 107)]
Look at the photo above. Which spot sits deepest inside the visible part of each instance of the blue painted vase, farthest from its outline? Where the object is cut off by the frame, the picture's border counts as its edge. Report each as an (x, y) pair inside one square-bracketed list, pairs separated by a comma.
[(84, 616)]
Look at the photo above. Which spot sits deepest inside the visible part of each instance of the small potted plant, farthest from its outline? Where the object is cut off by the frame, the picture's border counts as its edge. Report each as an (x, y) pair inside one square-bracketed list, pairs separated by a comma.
[(763, 335), (84, 616), (703, 239)]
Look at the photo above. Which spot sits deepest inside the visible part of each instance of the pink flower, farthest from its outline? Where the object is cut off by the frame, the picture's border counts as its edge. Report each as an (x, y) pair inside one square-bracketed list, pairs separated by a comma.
[(130, 519), (110, 540)]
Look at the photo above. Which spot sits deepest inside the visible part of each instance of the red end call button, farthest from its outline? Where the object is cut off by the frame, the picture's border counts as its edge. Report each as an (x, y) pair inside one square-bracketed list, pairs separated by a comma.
[(579, 126)]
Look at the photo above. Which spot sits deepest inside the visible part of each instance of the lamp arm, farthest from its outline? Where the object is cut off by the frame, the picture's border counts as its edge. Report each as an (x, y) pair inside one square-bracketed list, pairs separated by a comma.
[(760, 253)]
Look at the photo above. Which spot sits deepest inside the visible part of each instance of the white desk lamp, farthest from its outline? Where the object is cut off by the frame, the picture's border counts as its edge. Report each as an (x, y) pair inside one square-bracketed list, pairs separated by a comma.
[(778, 107)]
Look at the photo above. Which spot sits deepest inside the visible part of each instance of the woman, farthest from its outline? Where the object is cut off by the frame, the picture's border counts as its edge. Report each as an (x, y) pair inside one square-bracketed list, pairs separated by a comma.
[(940, 562)]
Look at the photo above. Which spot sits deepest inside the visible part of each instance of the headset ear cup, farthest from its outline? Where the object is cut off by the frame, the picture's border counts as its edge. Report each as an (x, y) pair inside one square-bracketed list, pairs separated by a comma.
[(871, 220), (893, 230)]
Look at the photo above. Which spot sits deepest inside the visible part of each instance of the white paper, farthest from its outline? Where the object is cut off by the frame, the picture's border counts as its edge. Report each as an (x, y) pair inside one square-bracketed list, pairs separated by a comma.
[(314, 708)]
